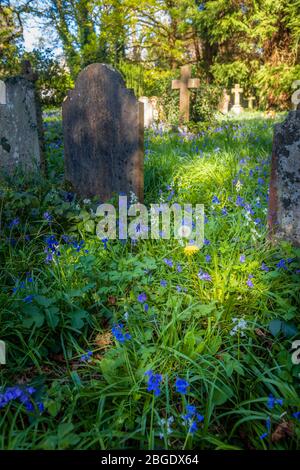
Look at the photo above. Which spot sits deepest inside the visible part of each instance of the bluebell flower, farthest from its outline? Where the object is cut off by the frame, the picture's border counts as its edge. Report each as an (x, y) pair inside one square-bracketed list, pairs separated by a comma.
[(208, 258), (168, 262), (242, 259), (268, 426), (23, 395), (154, 381), (206, 242), (224, 211), (14, 222), (215, 200), (142, 297), (52, 248), (181, 386), (146, 307), (47, 216), (118, 333), (28, 299), (179, 268), (240, 202), (87, 356), (192, 418), (163, 283), (297, 415), (104, 241), (264, 267), (204, 276), (250, 282), (272, 401), (281, 264)]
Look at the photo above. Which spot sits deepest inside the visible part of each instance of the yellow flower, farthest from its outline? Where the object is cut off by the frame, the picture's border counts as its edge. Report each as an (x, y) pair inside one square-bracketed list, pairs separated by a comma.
[(190, 250)]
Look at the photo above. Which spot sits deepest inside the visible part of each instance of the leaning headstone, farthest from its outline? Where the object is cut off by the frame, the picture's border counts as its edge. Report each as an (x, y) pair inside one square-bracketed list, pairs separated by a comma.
[(224, 102), (103, 135), (284, 206), (148, 111), (19, 136), (237, 108)]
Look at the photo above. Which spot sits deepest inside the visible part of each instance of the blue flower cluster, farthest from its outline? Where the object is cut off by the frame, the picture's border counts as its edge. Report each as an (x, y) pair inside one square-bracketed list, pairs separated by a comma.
[(86, 357), (51, 249), (154, 381), (142, 300), (23, 395), (192, 418), (181, 386), (204, 276), (119, 334)]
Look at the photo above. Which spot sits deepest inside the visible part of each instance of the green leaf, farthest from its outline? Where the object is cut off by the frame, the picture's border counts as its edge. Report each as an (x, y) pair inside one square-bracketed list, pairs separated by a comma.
[(44, 301), (52, 316), (77, 318), (64, 429), (221, 394), (89, 226), (287, 329), (34, 316), (275, 327)]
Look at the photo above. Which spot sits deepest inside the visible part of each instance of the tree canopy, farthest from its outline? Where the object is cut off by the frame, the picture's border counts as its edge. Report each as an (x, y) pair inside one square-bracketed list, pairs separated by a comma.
[(255, 42)]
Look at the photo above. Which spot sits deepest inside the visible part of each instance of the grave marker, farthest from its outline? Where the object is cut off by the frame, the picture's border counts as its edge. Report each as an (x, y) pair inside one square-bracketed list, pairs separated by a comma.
[(224, 102), (184, 85), (250, 100), (2, 92), (284, 206), (148, 111), (103, 135), (237, 108), (19, 134)]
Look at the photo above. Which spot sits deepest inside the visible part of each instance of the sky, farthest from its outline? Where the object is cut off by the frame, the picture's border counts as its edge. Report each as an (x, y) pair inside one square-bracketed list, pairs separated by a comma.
[(32, 34)]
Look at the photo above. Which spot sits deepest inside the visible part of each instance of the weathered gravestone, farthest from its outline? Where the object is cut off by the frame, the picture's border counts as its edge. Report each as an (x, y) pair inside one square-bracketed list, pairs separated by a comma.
[(250, 100), (157, 108), (103, 135), (224, 102), (19, 126), (148, 111), (284, 206), (237, 108)]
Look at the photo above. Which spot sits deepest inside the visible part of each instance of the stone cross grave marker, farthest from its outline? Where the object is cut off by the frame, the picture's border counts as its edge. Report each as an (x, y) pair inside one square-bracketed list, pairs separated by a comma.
[(184, 85), (250, 100), (237, 108), (103, 135), (19, 133), (284, 205)]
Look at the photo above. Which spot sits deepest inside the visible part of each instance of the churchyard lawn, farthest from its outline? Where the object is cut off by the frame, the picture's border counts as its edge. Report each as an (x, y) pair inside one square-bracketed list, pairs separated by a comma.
[(151, 345)]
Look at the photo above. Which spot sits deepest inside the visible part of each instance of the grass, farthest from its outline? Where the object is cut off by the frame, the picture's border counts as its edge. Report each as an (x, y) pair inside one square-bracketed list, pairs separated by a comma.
[(61, 296)]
